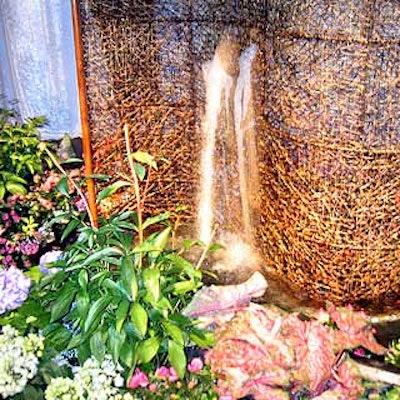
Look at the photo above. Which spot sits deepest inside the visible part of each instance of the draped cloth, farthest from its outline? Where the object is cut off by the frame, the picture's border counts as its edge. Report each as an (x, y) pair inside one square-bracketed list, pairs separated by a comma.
[(37, 63)]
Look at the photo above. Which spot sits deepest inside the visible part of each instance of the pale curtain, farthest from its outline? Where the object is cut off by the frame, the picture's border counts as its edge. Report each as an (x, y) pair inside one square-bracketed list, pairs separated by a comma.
[(37, 63)]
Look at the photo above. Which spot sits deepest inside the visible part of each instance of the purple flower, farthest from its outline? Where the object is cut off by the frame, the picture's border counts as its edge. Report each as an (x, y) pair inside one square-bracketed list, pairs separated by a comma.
[(29, 247), (14, 289), (48, 258), (195, 365)]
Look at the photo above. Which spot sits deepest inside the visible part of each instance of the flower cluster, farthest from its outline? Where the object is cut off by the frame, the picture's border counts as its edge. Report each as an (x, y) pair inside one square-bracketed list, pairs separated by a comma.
[(164, 383), (25, 227), (94, 380), (19, 360), (14, 289)]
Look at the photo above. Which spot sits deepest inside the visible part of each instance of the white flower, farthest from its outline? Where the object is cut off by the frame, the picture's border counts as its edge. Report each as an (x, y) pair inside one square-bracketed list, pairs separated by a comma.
[(19, 360)]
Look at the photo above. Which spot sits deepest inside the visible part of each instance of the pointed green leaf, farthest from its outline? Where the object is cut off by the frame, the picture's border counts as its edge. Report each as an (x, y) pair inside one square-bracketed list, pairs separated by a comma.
[(174, 332), (98, 255), (184, 287), (72, 225), (145, 158), (121, 314), (115, 342), (128, 277), (156, 219), (161, 241), (95, 312), (2, 190), (63, 303), (140, 171), (202, 338), (83, 278), (151, 281), (62, 186), (109, 190), (82, 303), (127, 354), (177, 358), (97, 346), (148, 349), (139, 318), (15, 188)]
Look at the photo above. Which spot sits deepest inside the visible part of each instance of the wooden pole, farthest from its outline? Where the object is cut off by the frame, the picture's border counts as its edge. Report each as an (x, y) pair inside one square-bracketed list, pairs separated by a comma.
[(86, 146)]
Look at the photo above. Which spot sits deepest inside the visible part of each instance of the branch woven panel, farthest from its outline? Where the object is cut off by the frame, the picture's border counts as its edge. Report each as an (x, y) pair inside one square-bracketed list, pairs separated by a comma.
[(329, 134), (143, 62), (331, 167)]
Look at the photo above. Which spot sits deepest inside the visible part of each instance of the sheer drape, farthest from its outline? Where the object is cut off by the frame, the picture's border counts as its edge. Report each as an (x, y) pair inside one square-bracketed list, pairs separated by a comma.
[(37, 63)]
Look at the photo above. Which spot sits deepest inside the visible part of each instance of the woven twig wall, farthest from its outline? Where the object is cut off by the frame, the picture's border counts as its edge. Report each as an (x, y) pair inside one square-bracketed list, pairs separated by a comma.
[(331, 170), (144, 67), (329, 133)]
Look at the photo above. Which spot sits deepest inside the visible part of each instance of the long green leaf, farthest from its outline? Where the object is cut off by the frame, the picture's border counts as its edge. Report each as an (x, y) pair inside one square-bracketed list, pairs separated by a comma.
[(160, 241), (96, 311), (151, 281), (177, 358), (98, 255), (148, 349), (109, 190), (15, 188), (97, 346), (115, 342), (121, 314), (63, 303), (127, 353), (139, 318), (174, 332), (72, 225), (128, 277), (156, 219)]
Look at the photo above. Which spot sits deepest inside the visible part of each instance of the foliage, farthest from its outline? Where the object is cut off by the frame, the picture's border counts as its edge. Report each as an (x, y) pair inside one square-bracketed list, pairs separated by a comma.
[(118, 288), (21, 155), (270, 354), (122, 295), (30, 224)]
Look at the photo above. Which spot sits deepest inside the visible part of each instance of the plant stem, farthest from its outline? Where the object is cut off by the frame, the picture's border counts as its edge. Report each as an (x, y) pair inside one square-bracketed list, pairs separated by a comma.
[(77, 188), (136, 187)]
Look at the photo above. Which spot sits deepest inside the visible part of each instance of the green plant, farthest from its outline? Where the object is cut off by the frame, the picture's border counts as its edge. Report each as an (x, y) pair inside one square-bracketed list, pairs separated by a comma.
[(120, 291), (20, 153)]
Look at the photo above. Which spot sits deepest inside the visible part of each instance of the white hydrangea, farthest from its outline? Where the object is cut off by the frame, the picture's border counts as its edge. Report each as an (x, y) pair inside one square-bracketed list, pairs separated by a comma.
[(19, 360), (63, 389), (92, 381)]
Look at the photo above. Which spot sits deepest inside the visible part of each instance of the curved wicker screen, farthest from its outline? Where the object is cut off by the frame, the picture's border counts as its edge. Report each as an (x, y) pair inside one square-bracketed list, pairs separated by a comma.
[(329, 133), (331, 170)]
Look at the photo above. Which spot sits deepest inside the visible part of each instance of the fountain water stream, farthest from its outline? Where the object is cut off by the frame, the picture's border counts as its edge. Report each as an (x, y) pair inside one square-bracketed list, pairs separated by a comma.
[(229, 165)]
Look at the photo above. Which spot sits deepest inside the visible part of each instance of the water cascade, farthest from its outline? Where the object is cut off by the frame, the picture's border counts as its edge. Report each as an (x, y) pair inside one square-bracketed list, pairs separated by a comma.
[(229, 165)]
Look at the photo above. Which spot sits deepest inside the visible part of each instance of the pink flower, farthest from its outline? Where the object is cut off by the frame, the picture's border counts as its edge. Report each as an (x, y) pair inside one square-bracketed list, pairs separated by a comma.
[(360, 352), (195, 365), (138, 379), (173, 376), (153, 388), (226, 397), (162, 372)]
